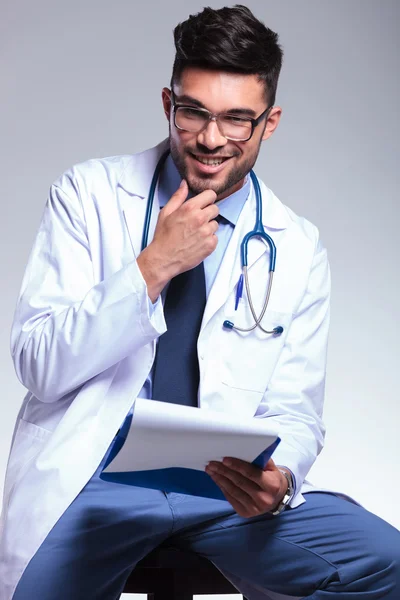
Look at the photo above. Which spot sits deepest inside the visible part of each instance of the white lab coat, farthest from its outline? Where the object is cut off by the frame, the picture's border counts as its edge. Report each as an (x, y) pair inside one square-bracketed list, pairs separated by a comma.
[(83, 342)]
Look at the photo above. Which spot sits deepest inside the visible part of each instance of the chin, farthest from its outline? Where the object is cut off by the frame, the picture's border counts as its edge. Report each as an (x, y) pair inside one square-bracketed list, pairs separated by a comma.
[(198, 185)]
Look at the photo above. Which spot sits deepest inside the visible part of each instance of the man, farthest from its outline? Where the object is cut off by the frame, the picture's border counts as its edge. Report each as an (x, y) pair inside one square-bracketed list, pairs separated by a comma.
[(100, 321)]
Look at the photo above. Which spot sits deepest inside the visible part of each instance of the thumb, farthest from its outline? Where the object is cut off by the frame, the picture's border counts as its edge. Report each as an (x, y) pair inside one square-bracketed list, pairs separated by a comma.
[(178, 198), (270, 466)]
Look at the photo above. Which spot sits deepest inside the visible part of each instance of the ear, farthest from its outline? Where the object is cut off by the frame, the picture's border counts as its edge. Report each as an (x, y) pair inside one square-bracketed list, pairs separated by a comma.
[(273, 119), (166, 100)]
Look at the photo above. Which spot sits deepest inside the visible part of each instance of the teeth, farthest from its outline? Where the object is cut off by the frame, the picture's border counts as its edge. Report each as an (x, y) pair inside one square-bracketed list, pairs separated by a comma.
[(209, 161)]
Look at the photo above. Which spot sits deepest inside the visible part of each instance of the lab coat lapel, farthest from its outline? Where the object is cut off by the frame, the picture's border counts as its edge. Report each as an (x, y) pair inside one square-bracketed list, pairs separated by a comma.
[(275, 220), (135, 183)]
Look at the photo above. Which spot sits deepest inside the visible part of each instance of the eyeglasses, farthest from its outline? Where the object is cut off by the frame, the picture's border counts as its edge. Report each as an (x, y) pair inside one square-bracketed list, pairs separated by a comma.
[(231, 126)]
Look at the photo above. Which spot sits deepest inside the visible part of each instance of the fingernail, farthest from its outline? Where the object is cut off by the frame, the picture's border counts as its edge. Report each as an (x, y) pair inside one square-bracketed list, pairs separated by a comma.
[(182, 183)]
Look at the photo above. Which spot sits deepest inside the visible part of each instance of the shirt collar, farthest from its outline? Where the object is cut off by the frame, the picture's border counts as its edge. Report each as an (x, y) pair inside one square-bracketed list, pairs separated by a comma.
[(229, 208)]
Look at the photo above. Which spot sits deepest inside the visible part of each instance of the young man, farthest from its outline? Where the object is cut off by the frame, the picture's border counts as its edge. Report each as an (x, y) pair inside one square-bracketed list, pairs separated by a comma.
[(101, 320)]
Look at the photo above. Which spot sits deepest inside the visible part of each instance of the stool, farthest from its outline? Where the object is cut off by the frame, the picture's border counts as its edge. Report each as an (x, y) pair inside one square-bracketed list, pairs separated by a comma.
[(171, 574)]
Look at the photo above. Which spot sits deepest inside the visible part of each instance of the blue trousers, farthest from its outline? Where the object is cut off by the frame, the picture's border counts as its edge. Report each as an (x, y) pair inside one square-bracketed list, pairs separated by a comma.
[(324, 548)]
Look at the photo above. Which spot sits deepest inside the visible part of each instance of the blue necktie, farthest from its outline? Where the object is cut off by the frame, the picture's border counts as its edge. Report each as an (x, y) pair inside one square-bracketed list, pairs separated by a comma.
[(176, 369)]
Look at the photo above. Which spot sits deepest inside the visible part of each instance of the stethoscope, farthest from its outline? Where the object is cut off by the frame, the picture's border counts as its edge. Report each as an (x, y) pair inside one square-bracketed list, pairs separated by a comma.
[(258, 231)]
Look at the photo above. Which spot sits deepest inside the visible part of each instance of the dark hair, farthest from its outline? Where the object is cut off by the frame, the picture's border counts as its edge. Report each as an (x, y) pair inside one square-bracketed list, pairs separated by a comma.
[(229, 39)]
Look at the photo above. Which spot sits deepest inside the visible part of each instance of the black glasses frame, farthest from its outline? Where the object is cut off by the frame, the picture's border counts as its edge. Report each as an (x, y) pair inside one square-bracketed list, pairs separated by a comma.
[(214, 116)]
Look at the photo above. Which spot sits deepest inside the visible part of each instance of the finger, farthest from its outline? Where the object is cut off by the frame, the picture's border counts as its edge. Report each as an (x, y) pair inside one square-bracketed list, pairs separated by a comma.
[(236, 505), (177, 199), (256, 500), (239, 499), (270, 466), (269, 482), (242, 511), (212, 226), (250, 487), (245, 468), (204, 199), (211, 212)]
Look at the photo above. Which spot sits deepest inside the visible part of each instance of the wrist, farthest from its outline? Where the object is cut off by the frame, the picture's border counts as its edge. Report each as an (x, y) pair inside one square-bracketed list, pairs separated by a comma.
[(284, 482), (286, 492), (153, 272)]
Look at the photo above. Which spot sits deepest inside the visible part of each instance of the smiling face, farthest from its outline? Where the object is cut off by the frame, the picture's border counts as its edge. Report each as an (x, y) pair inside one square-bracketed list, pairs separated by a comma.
[(207, 160)]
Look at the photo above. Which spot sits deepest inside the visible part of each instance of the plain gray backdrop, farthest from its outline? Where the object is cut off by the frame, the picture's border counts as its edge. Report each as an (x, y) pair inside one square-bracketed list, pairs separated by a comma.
[(83, 79)]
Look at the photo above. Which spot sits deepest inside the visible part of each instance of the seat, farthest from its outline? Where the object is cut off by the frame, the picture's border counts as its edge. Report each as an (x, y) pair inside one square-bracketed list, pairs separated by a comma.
[(171, 574)]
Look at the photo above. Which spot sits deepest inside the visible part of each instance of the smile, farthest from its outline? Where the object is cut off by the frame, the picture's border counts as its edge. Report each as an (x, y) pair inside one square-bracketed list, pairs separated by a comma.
[(211, 161), (209, 165)]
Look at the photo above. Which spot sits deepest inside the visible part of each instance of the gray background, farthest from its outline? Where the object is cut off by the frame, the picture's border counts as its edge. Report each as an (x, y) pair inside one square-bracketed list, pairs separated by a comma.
[(81, 79)]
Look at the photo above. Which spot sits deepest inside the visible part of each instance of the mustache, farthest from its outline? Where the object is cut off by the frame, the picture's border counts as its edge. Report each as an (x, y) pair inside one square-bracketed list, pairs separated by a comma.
[(207, 152)]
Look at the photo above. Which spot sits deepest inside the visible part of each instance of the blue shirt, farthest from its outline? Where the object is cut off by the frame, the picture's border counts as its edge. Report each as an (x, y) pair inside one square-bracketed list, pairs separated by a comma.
[(229, 209)]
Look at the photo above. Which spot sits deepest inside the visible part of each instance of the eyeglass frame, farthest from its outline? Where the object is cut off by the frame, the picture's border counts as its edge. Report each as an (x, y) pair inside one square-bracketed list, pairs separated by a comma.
[(214, 117)]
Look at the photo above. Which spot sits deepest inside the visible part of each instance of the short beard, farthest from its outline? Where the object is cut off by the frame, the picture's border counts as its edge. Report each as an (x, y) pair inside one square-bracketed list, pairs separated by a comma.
[(198, 185)]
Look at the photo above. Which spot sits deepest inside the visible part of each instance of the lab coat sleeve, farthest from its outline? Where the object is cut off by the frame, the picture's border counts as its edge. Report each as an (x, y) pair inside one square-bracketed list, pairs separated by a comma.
[(295, 395), (67, 328)]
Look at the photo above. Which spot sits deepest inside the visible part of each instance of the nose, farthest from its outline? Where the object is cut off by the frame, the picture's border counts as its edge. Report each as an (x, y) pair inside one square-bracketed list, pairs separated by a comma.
[(211, 136)]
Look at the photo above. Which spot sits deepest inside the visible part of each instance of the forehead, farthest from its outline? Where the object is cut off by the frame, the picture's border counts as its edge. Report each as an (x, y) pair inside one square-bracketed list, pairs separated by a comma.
[(220, 90)]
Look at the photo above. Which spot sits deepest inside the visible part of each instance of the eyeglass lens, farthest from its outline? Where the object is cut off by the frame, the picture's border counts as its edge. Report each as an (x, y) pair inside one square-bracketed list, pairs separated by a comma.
[(230, 126)]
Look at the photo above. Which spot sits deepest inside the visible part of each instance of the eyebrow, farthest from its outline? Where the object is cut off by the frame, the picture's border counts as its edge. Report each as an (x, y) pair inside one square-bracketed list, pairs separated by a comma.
[(236, 111)]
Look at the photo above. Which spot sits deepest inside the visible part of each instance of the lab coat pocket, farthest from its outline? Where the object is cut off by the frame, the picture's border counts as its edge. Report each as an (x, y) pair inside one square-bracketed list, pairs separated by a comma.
[(249, 358), (28, 442)]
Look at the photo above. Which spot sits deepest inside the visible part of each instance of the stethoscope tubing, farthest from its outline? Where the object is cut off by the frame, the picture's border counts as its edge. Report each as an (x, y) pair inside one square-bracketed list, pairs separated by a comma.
[(150, 200)]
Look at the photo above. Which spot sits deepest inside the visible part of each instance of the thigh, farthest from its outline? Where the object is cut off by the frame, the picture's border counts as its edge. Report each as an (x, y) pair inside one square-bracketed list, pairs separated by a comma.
[(93, 547), (324, 547)]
